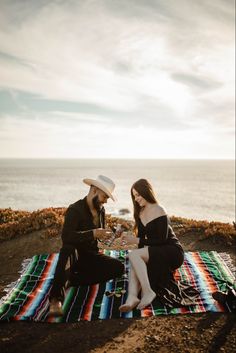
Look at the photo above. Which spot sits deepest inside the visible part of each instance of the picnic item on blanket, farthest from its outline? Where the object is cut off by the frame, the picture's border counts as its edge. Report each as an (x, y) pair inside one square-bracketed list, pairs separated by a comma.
[(27, 298), (227, 298)]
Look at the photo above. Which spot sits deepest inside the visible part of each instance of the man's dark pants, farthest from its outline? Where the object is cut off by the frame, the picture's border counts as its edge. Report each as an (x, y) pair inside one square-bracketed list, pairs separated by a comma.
[(84, 269)]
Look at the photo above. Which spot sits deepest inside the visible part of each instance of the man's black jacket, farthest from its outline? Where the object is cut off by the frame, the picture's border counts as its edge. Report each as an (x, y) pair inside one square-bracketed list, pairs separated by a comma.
[(78, 227)]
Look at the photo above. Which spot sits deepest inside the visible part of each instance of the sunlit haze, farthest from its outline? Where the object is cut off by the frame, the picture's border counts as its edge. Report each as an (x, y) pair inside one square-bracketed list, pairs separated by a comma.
[(117, 79)]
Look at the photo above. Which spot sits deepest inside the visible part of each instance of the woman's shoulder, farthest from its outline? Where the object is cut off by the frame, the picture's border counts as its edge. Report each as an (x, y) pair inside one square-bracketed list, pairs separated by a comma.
[(159, 211)]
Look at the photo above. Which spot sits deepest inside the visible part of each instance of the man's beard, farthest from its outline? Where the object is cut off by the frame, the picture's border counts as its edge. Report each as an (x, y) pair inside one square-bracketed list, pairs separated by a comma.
[(96, 204)]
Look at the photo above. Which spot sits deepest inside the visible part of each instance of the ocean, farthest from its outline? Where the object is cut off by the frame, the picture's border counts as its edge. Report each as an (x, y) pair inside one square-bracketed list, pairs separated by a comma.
[(197, 189)]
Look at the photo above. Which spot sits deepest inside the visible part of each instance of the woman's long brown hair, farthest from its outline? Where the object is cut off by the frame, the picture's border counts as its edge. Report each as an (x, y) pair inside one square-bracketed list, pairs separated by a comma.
[(143, 188)]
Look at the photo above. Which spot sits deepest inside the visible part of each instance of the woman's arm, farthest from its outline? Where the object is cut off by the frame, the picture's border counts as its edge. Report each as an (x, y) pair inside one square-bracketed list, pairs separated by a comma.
[(141, 234)]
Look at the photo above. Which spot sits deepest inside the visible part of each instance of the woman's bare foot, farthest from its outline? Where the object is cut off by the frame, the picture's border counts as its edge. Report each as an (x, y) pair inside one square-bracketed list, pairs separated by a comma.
[(146, 299), (129, 305)]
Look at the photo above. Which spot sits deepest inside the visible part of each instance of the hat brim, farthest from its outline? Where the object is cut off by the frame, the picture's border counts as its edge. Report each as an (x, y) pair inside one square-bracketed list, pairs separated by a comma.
[(100, 186)]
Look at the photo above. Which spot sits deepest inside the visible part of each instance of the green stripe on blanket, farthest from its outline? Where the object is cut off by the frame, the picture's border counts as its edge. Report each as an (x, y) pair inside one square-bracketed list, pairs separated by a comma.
[(28, 299)]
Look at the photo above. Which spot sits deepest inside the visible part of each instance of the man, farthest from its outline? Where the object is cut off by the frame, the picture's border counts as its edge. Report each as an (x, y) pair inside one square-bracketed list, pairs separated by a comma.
[(84, 224)]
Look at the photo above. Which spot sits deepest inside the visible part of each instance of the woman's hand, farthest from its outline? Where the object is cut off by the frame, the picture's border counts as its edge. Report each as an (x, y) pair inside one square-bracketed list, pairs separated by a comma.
[(129, 238)]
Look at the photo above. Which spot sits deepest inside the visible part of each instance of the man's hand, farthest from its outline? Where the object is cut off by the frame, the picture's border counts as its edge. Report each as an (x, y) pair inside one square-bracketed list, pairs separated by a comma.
[(102, 234), (129, 238)]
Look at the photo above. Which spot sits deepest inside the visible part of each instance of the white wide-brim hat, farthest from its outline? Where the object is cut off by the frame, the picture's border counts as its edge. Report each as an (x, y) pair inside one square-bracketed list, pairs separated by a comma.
[(103, 183)]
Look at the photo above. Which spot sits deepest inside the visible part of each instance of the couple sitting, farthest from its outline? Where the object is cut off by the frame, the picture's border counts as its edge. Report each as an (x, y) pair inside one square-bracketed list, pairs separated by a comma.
[(152, 265)]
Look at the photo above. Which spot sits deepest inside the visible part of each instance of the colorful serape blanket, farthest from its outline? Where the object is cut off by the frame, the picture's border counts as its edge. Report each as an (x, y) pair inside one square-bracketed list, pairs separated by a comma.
[(27, 300)]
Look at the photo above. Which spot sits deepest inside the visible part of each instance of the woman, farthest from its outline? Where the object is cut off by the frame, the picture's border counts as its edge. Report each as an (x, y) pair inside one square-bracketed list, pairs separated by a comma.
[(159, 255)]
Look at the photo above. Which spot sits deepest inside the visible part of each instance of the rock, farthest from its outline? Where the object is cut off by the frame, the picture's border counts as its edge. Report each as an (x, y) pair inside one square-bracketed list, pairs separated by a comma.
[(124, 211)]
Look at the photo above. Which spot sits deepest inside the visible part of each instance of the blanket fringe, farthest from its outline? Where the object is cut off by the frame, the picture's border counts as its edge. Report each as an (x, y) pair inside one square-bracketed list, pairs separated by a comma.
[(229, 262), (9, 287), (24, 265)]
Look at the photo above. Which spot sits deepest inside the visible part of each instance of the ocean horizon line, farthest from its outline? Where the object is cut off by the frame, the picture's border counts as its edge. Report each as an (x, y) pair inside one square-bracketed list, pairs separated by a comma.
[(115, 158)]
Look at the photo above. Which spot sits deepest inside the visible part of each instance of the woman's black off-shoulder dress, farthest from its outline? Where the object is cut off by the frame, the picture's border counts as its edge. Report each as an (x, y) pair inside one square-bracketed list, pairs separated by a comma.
[(165, 256)]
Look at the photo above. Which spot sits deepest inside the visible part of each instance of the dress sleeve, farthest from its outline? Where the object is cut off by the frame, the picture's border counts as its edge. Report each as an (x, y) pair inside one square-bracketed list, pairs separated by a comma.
[(157, 232), (70, 234)]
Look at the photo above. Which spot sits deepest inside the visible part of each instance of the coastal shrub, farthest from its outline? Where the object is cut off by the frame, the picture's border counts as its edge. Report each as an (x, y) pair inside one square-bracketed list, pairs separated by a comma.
[(7, 215), (216, 231), (50, 221), (15, 223)]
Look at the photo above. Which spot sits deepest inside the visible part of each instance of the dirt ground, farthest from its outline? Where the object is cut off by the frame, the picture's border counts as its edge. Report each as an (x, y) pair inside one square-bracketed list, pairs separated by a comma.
[(208, 332)]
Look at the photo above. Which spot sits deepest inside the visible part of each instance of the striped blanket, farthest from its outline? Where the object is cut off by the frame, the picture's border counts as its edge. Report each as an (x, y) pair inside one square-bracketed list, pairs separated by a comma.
[(27, 299)]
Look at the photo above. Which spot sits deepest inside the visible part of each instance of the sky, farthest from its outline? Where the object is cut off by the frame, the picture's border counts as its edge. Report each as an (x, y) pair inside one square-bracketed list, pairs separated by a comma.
[(117, 79)]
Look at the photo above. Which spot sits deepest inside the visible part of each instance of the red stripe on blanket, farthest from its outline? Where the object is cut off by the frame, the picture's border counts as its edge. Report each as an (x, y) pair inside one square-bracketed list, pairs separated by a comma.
[(34, 293)]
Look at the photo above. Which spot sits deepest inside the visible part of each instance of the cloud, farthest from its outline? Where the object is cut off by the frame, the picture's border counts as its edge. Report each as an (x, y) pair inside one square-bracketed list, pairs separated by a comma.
[(164, 65), (196, 82), (73, 136), (150, 112)]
